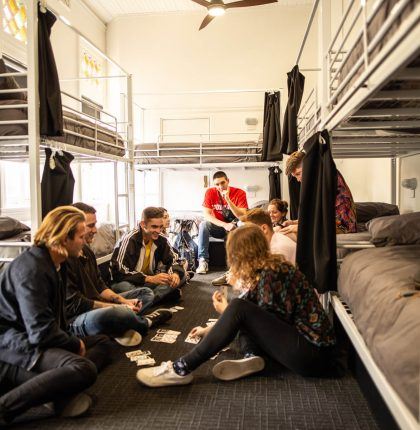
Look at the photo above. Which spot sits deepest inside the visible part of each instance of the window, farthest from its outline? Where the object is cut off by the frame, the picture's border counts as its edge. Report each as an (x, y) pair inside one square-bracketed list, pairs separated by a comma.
[(15, 192), (14, 19), (90, 68)]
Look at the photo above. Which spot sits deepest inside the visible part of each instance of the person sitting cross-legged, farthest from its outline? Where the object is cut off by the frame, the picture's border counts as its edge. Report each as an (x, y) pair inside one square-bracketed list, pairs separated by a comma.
[(143, 258), (93, 308), (40, 361), (278, 315)]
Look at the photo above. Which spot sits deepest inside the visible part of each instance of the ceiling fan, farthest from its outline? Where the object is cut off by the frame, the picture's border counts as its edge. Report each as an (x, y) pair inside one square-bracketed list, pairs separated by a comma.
[(217, 7)]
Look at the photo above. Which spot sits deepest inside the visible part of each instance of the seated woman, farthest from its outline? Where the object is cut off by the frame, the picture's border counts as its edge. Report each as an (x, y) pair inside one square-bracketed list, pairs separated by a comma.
[(278, 315), (345, 210), (277, 209)]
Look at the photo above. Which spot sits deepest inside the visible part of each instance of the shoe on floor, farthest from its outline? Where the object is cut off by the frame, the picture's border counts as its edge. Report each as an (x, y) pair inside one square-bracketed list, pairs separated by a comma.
[(229, 370), (129, 338), (159, 316), (220, 281), (162, 376), (203, 267), (73, 407), (190, 274)]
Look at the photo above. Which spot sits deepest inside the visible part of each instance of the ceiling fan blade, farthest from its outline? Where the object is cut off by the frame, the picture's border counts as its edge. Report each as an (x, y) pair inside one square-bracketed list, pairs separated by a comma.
[(202, 2), (206, 21), (246, 3)]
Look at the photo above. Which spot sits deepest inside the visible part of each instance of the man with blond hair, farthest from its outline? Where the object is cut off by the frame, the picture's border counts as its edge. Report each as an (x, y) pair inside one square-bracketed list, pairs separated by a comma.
[(40, 361)]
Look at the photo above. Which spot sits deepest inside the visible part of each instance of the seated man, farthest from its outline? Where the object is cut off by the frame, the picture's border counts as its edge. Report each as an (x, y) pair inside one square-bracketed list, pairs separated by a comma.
[(144, 258), (93, 308), (222, 205), (39, 360), (345, 210), (279, 243)]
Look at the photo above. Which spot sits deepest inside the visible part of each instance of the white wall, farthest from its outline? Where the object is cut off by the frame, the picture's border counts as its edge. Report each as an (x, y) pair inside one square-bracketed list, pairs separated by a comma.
[(369, 179), (410, 168)]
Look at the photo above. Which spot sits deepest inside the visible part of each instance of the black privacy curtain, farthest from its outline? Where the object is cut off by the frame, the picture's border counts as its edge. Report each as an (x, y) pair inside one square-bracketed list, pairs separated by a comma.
[(316, 245), (289, 140), (57, 183), (50, 110), (271, 131), (274, 181)]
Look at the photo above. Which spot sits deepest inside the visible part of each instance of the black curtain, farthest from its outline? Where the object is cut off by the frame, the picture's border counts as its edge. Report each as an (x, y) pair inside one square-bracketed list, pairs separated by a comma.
[(57, 183), (274, 180), (50, 109), (271, 131), (289, 141), (316, 246), (294, 194), (295, 86)]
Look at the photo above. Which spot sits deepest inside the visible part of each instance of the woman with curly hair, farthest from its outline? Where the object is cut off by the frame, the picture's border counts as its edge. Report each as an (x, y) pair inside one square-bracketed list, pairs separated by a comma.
[(278, 314)]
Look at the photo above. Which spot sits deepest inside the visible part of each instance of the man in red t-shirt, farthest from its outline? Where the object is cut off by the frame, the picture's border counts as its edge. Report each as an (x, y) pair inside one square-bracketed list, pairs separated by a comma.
[(222, 205)]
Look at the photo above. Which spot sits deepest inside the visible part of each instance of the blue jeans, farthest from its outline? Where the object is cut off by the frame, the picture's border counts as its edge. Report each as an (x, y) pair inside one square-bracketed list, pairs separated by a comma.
[(161, 292), (115, 320), (205, 230)]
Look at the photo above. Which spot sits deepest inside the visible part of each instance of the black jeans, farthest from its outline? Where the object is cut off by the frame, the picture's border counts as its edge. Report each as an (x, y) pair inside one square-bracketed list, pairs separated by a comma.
[(264, 330), (58, 374)]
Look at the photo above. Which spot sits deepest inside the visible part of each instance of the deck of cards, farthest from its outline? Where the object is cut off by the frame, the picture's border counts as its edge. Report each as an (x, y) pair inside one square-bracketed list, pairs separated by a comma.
[(165, 336)]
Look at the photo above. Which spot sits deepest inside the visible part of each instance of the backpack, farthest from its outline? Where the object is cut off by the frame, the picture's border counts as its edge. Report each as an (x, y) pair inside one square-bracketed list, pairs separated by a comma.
[(185, 246)]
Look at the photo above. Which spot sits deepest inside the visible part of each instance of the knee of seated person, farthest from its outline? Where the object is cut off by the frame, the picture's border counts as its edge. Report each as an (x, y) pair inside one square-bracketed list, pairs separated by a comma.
[(204, 225), (85, 370)]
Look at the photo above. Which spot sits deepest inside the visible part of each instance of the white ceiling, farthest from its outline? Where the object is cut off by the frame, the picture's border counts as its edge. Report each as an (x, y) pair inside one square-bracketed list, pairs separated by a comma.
[(107, 10)]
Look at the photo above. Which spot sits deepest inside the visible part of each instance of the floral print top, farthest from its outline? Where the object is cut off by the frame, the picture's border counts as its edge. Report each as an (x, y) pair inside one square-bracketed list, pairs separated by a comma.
[(287, 293), (345, 210)]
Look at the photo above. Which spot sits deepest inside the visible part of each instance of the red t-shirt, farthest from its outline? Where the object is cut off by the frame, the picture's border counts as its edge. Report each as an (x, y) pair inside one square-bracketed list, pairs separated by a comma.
[(214, 200)]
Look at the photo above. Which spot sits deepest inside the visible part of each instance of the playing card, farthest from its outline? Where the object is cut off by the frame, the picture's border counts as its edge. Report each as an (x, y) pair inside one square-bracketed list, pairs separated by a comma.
[(136, 353), (169, 332), (146, 361), (193, 339)]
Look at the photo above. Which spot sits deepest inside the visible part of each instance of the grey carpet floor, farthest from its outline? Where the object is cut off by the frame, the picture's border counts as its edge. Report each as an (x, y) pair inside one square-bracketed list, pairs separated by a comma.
[(273, 399)]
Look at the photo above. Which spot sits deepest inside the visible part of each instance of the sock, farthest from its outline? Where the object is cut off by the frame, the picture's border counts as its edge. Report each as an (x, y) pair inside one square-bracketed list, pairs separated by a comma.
[(180, 367)]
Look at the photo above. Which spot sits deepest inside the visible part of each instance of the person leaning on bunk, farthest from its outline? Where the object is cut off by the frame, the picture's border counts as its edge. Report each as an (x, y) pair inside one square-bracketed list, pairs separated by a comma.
[(278, 316), (222, 205), (93, 308), (144, 258), (345, 210), (40, 361)]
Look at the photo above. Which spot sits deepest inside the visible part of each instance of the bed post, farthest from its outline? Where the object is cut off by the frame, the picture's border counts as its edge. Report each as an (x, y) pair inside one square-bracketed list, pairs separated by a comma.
[(394, 181), (33, 115), (131, 172), (324, 35)]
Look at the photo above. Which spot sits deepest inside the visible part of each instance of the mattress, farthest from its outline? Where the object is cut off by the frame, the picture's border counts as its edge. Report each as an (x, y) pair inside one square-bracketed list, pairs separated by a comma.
[(371, 282), (348, 239), (189, 152), (73, 123)]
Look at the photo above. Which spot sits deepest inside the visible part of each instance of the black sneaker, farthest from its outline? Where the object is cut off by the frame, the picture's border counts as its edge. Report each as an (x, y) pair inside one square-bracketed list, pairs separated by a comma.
[(190, 274), (159, 316)]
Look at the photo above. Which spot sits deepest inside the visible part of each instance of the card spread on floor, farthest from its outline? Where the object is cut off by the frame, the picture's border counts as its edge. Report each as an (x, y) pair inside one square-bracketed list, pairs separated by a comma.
[(146, 361), (136, 353), (165, 336), (192, 339)]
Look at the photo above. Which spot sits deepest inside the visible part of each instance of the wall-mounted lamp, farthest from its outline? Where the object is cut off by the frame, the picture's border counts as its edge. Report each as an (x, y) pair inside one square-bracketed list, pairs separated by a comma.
[(410, 184)]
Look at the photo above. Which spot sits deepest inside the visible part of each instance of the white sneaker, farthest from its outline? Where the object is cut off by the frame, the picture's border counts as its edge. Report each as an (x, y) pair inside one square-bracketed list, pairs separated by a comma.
[(129, 338), (203, 267), (229, 370), (73, 407), (162, 376)]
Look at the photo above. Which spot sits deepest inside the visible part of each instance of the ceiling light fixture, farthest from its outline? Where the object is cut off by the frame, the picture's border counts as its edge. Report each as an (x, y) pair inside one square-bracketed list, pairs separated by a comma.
[(216, 10)]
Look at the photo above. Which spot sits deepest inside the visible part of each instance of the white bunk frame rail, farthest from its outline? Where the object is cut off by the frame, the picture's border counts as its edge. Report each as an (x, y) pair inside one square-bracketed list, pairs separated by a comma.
[(342, 107), (33, 141), (204, 141)]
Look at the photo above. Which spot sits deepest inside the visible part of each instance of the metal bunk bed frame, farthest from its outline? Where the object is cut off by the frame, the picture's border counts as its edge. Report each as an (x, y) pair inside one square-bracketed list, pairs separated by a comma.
[(352, 138), (201, 145), (34, 142)]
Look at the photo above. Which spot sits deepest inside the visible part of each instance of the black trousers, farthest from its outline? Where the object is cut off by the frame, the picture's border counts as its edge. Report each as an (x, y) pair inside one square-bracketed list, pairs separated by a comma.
[(265, 331), (57, 375)]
